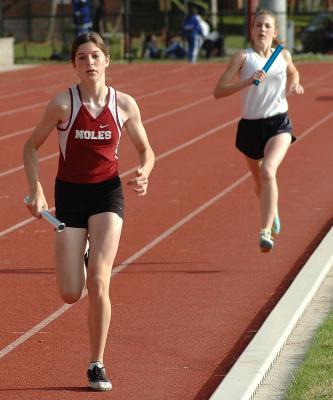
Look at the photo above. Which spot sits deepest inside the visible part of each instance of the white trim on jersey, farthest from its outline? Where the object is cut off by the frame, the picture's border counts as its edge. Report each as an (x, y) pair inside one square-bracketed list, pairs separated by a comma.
[(64, 128), (113, 105)]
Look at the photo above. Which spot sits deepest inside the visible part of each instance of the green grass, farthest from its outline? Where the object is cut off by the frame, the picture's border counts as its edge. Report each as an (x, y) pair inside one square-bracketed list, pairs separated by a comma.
[(317, 57), (314, 379), (41, 52), (234, 42), (301, 21), (30, 52)]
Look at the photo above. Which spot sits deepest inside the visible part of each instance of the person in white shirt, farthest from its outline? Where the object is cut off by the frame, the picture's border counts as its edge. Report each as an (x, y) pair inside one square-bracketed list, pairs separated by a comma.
[(264, 133)]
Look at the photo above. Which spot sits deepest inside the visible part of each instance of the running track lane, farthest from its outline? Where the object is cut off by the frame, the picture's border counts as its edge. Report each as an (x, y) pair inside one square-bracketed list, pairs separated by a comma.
[(161, 141), (191, 350)]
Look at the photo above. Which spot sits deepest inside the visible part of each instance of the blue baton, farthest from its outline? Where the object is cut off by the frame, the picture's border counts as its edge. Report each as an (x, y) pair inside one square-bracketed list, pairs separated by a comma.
[(270, 61)]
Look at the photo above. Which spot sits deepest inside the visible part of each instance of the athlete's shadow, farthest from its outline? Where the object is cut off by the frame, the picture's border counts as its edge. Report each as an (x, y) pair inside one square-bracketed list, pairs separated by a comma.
[(27, 271), (77, 389), (324, 98), (66, 389), (221, 371)]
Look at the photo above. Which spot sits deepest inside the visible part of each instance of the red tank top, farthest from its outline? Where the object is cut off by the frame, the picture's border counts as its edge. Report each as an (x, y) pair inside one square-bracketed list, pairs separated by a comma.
[(88, 145)]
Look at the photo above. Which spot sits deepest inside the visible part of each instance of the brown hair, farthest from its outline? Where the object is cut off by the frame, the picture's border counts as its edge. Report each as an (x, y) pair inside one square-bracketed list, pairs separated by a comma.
[(273, 16), (86, 38)]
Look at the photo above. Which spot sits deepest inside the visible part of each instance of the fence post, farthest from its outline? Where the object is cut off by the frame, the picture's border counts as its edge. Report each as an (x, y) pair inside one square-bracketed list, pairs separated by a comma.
[(65, 48), (29, 17), (1, 20), (213, 13), (291, 36), (279, 8), (127, 32)]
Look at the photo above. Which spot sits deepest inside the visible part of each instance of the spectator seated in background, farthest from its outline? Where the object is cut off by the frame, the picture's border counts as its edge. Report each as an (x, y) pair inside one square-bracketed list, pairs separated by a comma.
[(150, 48), (175, 49), (213, 45), (205, 27)]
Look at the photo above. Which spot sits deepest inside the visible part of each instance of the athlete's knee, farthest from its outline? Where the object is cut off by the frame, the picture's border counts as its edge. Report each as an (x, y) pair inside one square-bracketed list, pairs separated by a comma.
[(267, 172), (70, 296), (97, 287)]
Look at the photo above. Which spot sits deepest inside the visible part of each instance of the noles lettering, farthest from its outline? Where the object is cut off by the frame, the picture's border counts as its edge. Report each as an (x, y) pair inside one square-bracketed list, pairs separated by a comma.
[(93, 135)]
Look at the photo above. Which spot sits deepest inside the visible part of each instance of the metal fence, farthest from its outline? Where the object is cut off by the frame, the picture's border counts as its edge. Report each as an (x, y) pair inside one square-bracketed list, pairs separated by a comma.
[(44, 36)]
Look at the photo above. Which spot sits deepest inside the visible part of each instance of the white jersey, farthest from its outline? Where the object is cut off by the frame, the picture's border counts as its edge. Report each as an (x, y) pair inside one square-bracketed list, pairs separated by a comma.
[(269, 97)]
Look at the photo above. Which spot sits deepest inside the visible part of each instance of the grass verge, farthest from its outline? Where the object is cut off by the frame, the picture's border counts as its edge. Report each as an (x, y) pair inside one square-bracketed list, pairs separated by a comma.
[(314, 378), (41, 52)]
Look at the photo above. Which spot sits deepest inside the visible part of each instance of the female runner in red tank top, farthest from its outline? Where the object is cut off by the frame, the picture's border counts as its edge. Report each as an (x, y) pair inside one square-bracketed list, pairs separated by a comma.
[(88, 195)]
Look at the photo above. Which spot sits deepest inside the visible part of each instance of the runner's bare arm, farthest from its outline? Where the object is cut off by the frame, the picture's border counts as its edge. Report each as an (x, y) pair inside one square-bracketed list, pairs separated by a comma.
[(58, 110), (294, 87), (137, 133), (225, 86)]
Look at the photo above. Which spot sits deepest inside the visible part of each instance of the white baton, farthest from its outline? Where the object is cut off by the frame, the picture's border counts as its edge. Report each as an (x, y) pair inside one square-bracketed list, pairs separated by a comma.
[(58, 225)]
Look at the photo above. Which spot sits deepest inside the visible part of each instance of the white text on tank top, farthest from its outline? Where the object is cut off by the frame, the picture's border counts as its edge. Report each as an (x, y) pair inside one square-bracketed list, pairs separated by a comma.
[(89, 145), (269, 97)]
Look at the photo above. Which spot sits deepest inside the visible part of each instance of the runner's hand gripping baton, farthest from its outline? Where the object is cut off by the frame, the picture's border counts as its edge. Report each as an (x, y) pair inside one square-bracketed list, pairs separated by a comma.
[(58, 225), (270, 61)]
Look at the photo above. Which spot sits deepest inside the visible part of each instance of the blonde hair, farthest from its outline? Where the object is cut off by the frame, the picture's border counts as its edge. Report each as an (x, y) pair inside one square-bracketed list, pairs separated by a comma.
[(262, 11)]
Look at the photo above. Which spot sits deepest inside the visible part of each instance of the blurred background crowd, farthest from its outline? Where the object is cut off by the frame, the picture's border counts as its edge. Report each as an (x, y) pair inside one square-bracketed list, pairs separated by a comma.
[(158, 29)]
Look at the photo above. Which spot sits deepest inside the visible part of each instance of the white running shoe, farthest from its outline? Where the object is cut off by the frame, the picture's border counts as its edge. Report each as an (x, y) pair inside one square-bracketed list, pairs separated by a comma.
[(265, 240), (97, 379)]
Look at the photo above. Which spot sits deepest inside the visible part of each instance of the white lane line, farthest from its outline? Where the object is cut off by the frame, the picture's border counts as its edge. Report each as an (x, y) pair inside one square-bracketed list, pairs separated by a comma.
[(6, 350), (250, 369), (131, 170), (27, 335), (20, 167), (61, 85), (16, 110), (158, 92), (172, 112), (20, 224), (315, 81), (52, 317), (140, 97), (17, 226), (314, 126), (147, 121), (180, 223), (16, 133), (47, 87), (178, 148), (189, 142)]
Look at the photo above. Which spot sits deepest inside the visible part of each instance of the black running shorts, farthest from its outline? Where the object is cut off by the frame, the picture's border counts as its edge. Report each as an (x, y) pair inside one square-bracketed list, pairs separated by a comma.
[(253, 134), (76, 202)]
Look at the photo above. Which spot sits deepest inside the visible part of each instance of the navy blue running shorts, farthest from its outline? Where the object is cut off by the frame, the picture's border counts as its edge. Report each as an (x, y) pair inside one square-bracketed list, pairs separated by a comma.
[(76, 202), (253, 134)]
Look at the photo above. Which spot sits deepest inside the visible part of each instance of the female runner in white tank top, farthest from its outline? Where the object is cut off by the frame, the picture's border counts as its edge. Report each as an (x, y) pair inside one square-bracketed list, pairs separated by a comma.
[(264, 132)]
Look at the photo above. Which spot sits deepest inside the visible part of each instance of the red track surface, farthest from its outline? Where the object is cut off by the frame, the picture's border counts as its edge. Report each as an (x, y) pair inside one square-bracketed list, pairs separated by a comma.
[(185, 309)]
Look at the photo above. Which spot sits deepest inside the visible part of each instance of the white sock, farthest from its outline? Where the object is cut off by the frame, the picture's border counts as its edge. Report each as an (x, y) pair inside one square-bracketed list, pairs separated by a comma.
[(96, 363)]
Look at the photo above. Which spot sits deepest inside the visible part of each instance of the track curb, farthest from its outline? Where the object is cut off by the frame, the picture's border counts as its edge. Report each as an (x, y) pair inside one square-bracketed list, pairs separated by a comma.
[(252, 366)]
